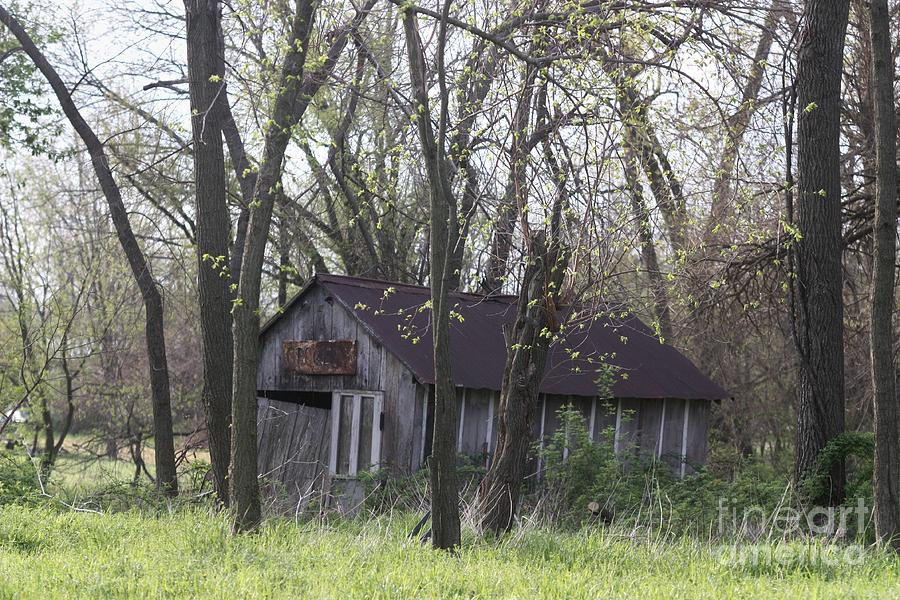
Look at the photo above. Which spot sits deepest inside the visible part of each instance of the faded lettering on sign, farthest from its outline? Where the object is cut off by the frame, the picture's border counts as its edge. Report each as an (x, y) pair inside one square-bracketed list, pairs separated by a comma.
[(326, 357)]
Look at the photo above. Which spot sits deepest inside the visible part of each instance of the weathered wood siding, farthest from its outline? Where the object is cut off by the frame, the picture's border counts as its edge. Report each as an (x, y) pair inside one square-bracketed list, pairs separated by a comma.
[(650, 419), (672, 432), (295, 440), (697, 434), (293, 460), (319, 316), (478, 421), (401, 393), (628, 427)]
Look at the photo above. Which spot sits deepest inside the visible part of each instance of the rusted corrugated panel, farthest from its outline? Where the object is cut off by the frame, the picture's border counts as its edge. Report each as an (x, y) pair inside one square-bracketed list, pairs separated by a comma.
[(604, 351), (311, 357)]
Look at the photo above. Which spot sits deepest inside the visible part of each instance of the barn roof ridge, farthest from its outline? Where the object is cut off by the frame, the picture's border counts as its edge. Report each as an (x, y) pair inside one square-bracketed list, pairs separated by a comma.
[(619, 352), (419, 289)]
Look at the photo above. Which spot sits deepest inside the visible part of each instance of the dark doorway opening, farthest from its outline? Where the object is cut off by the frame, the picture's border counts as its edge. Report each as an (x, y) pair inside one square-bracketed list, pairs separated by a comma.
[(314, 399)]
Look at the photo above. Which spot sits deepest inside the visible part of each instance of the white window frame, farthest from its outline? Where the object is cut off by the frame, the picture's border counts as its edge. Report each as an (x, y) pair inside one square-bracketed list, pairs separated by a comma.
[(684, 435), (662, 431), (618, 434), (377, 409)]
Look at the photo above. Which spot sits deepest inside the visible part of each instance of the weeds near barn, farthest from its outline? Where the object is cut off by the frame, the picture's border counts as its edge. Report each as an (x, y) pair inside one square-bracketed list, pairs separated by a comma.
[(97, 536), (188, 553)]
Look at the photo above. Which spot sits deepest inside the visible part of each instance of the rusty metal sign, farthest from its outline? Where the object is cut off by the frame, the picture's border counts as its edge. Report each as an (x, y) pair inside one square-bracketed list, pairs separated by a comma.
[(311, 357)]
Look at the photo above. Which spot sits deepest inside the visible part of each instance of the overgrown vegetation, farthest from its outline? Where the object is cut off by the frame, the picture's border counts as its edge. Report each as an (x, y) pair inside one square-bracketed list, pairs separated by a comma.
[(51, 554), (651, 530), (741, 497)]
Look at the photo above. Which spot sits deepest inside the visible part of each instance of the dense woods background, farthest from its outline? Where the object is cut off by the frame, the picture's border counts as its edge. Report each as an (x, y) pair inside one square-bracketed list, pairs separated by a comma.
[(661, 155)]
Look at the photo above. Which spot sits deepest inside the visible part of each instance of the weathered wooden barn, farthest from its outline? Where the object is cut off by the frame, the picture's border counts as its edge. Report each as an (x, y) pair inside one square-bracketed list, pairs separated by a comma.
[(346, 374)]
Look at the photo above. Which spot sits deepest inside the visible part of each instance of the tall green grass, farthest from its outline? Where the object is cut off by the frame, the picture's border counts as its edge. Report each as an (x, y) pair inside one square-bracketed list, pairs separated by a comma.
[(188, 553)]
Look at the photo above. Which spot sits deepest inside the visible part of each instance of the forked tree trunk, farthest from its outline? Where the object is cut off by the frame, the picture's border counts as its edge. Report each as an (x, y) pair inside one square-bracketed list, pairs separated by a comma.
[(206, 79), (499, 491), (153, 305), (818, 301), (886, 479)]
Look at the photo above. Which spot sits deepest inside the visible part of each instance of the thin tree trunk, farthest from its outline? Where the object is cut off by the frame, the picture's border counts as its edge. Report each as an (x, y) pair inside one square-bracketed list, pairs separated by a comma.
[(649, 257), (294, 95), (244, 487), (736, 125), (47, 455), (515, 195), (70, 397), (640, 156), (819, 303), (886, 479), (444, 235), (155, 335), (206, 79)]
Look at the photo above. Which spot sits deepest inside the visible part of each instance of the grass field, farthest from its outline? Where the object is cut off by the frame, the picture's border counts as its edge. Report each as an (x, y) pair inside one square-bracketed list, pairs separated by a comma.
[(188, 553)]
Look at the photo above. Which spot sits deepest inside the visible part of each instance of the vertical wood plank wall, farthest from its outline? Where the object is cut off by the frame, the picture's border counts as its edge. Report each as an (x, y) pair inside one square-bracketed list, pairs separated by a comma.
[(294, 449)]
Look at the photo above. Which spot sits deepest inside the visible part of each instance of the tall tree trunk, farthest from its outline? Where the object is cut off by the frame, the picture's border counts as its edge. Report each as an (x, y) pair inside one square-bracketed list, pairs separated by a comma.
[(527, 347), (886, 479), (527, 344), (166, 479), (206, 79), (818, 302), (445, 527), (244, 488)]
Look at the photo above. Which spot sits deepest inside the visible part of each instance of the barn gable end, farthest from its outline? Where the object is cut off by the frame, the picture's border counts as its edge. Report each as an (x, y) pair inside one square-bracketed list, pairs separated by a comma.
[(295, 420)]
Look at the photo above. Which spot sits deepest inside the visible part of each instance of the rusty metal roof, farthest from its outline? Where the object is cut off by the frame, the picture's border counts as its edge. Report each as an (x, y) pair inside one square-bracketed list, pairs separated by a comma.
[(603, 351)]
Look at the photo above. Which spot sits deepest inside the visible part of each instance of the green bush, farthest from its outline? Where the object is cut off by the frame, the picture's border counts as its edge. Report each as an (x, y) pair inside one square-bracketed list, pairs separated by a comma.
[(18, 480), (858, 445), (644, 492), (577, 472)]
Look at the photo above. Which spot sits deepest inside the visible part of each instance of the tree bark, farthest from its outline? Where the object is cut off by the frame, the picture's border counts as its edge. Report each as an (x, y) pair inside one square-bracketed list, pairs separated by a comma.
[(244, 488), (527, 347), (206, 79), (166, 479), (886, 478), (818, 301), (445, 528)]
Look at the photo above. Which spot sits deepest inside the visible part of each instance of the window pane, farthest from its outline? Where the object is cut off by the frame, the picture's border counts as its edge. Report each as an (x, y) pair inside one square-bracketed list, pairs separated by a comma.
[(367, 409), (346, 420)]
